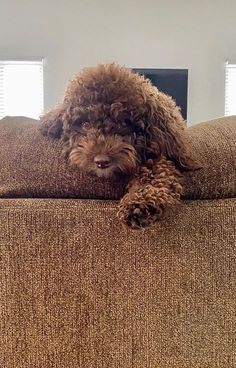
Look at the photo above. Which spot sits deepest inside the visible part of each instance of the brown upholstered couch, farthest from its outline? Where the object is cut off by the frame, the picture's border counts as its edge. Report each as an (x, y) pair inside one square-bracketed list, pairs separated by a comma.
[(77, 290)]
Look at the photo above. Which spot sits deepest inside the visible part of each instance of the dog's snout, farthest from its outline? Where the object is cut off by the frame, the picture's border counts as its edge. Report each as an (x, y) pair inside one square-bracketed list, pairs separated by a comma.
[(102, 162)]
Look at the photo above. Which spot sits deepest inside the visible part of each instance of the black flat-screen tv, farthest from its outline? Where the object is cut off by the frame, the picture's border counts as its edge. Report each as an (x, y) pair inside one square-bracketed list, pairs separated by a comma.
[(173, 82)]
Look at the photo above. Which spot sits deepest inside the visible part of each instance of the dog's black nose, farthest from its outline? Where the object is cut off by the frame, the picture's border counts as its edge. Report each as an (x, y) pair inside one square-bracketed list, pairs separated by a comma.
[(102, 162)]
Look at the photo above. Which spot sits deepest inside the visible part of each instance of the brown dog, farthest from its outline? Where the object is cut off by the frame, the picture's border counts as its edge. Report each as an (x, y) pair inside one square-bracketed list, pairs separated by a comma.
[(115, 122)]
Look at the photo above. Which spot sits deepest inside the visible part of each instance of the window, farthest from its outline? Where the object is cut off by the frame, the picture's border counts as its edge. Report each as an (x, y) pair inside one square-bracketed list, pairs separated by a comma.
[(230, 89), (21, 88)]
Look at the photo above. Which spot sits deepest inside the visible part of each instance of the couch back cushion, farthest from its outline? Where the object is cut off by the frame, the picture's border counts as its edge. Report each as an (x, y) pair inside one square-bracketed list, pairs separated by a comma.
[(32, 165), (214, 143)]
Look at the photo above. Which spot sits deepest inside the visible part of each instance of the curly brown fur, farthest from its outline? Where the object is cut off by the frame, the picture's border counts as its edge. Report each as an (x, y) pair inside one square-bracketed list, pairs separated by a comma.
[(115, 122), (154, 188)]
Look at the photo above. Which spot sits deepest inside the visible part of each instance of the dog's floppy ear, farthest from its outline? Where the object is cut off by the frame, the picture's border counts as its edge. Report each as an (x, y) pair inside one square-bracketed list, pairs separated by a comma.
[(167, 133), (51, 124)]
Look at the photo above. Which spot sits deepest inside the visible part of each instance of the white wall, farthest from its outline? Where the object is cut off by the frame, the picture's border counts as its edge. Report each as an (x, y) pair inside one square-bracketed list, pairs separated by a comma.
[(70, 34)]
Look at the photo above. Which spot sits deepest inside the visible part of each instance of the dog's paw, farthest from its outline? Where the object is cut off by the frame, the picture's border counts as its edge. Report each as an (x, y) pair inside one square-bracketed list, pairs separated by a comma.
[(140, 215)]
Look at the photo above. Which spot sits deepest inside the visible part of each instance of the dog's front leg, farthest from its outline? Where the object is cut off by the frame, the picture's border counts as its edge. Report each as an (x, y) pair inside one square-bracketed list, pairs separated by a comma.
[(154, 188)]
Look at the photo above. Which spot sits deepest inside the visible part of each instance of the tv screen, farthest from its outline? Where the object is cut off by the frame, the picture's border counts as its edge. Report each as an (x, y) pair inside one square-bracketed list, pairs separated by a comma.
[(173, 82)]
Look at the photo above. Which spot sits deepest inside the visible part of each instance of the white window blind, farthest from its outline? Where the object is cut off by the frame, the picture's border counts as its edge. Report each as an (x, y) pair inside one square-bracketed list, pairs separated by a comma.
[(21, 88), (230, 89)]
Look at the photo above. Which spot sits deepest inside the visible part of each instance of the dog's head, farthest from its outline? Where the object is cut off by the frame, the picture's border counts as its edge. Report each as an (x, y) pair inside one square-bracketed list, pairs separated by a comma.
[(105, 148), (112, 120)]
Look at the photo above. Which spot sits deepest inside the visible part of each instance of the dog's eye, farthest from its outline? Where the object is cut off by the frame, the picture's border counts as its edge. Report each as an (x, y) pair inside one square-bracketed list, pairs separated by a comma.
[(128, 121), (85, 125)]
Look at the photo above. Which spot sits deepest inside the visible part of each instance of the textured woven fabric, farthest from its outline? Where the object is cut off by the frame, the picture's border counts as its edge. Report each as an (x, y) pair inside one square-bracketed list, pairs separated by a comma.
[(32, 166), (214, 144), (78, 291)]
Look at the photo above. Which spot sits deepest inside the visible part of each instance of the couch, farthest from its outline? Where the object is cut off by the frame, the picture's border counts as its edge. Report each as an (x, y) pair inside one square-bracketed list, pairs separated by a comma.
[(79, 290)]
